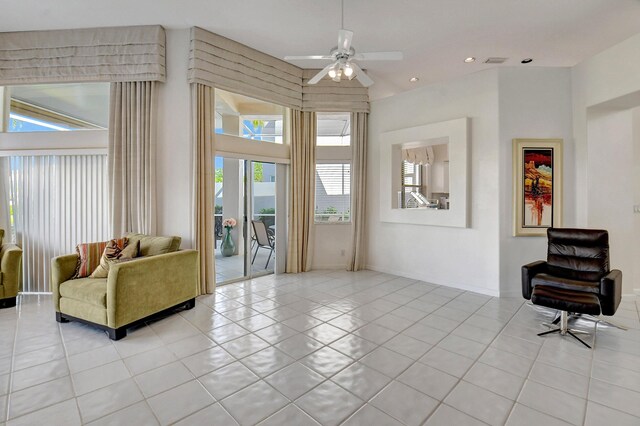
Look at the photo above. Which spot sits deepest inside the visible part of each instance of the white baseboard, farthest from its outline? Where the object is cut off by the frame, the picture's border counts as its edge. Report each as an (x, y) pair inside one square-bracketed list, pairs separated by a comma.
[(631, 296), (329, 267), (511, 293), (413, 275)]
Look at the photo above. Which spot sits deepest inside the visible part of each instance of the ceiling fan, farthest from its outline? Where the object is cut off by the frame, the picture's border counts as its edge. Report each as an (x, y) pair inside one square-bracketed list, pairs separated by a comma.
[(343, 59)]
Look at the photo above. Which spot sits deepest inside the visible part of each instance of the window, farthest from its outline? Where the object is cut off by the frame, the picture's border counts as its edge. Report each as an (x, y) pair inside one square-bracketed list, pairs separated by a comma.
[(334, 129), (411, 184), (58, 107), (249, 118), (333, 192), (333, 167)]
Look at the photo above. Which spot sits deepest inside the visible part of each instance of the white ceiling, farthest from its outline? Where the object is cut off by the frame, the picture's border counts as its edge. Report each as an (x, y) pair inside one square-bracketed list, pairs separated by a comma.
[(434, 35)]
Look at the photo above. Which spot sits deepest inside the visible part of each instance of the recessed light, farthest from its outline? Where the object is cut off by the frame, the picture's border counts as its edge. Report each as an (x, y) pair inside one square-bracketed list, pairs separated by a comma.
[(526, 61), (470, 59), (414, 79)]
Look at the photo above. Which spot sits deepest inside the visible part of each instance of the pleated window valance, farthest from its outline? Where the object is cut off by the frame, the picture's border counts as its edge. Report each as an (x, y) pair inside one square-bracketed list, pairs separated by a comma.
[(90, 54), (225, 64), (219, 62), (420, 155), (328, 95)]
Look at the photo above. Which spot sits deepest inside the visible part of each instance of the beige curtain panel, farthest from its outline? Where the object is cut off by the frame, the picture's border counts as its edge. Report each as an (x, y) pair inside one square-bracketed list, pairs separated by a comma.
[(359, 141), (226, 64), (330, 96), (131, 161), (420, 155), (203, 127), (90, 54), (302, 191)]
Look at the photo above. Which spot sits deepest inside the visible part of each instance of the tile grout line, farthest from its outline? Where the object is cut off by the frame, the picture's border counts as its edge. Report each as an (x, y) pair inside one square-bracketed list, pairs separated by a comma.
[(460, 379), (526, 378)]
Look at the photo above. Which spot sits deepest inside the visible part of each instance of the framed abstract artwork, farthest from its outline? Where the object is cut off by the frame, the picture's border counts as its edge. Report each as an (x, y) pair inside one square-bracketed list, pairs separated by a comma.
[(537, 185)]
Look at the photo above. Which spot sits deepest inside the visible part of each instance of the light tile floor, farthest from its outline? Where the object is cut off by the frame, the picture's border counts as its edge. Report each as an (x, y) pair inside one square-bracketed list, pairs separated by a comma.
[(232, 267), (323, 347)]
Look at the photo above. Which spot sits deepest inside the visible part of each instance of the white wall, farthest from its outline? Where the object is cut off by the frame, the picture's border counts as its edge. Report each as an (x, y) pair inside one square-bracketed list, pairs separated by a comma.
[(535, 102), (330, 242), (173, 154), (463, 258), (611, 186), (603, 87)]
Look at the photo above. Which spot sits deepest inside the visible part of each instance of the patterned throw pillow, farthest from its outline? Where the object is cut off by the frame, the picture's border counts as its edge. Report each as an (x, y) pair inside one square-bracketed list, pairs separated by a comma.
[(114, 253), (89, 255)]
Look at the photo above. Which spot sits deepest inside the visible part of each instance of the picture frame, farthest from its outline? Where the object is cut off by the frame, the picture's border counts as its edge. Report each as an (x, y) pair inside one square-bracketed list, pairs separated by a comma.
[(537, 186)]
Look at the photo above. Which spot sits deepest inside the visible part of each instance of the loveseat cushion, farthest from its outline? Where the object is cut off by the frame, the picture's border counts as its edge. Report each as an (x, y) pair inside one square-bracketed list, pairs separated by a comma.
[(153, 245), (114, 253), (88, 290), (565, 283)]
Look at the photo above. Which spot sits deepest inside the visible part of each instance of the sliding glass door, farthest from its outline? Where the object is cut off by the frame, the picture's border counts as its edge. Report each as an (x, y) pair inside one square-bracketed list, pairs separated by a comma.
[(245, 218), (262, 205)]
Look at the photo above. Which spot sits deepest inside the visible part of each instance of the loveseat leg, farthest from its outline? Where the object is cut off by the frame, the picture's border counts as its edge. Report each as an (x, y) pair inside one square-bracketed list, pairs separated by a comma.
[(190, 304), (117, 333), (9, 302), (60, 318)]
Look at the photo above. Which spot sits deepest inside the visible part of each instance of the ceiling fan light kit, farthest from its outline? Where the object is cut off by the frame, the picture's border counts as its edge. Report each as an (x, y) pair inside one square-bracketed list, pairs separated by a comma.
[(343, 59)]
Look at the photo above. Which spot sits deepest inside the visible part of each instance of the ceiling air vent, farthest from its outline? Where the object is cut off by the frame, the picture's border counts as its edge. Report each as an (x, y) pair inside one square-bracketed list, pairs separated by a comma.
[(495, 60)]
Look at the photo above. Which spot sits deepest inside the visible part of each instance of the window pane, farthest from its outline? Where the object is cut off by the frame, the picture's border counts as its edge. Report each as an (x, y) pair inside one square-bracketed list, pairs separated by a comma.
[(250, 118), (58, 107), (334, 129), (333, 192), (264, 193)]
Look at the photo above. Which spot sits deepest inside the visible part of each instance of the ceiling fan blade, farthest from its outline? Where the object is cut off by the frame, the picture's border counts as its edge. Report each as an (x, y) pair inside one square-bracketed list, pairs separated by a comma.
[(302, 58), (379, 56), (364, 79), (316, 78), (344, 40)]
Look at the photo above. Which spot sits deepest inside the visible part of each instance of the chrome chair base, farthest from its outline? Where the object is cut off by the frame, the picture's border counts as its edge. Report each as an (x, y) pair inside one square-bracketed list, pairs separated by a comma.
[(564, 329)]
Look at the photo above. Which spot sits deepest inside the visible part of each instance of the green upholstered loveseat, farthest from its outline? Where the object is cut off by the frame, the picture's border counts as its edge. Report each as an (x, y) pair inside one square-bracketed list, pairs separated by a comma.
[(162, 279), (10, 272)]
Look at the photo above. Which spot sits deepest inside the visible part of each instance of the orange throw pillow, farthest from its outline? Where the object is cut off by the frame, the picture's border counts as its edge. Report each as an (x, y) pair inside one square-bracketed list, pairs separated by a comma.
[(89, 255)]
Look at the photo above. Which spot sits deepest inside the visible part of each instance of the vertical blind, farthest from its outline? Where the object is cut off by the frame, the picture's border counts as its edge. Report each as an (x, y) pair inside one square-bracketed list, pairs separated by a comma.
[(57, 202)]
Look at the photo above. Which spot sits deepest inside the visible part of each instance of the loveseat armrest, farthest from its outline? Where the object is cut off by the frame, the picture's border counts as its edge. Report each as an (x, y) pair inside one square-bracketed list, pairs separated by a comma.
[(11, 268), (610, 292), (62, 269), (145, 286), (528, 272)]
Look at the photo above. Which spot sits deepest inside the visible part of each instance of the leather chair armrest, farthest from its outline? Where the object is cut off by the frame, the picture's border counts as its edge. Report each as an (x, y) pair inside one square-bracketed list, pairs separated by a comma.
[(610, 292), (528, 272)]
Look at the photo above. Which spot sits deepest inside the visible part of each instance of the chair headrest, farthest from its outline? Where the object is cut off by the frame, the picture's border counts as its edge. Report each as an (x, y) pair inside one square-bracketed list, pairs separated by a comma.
[(578, 237)]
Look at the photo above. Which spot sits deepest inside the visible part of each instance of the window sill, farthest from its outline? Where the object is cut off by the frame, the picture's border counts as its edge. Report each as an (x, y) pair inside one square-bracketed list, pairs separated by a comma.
[(333, 223)]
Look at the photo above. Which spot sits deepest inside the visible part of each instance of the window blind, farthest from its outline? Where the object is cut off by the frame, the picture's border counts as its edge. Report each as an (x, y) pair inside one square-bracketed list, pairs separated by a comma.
[(57, 202)]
